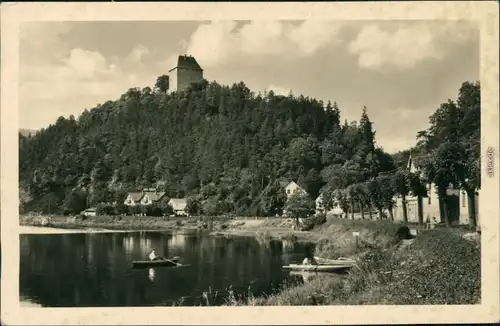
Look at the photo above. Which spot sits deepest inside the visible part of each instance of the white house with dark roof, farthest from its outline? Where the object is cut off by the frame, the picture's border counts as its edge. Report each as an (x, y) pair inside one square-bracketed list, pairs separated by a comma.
[(291, 188), (151, 196), (133, 198), (146, 197), (178, 205)]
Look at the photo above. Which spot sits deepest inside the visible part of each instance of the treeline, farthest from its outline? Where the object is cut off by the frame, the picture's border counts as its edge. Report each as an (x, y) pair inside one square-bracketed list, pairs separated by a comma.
[(225, 148)]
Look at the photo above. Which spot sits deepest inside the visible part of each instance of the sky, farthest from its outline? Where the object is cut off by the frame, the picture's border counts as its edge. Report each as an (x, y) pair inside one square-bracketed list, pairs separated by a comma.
[(400, 70)]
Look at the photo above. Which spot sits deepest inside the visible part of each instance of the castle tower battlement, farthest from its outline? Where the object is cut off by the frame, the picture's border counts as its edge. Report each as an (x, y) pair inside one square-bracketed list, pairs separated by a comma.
[(186, 71)]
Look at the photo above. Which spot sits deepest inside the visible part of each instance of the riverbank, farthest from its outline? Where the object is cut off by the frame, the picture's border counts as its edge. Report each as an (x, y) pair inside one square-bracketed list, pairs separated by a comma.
[(264, 229), (110, 223), (441, 266)]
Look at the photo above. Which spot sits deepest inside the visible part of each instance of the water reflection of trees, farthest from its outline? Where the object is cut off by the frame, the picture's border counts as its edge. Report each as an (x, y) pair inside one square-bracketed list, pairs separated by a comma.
[(138, 245), (289, 245), (94, 269), (177, 240)]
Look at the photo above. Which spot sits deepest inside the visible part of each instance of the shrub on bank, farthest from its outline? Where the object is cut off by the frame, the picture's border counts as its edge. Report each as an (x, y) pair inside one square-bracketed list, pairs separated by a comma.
[(336, 236), (318, 291), (314, 221), (441, 268)]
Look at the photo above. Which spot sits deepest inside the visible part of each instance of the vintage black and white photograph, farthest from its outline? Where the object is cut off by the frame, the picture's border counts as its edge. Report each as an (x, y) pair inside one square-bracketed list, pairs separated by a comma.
[(240, 162)]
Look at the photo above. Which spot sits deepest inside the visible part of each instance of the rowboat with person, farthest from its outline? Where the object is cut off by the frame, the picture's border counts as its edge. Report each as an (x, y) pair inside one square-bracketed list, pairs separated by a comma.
[(318, 264), (156, 260), (323, 265)]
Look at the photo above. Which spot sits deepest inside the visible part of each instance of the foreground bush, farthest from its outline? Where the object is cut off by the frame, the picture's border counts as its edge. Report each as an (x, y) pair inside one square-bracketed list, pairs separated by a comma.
[(441, 268), (336, 239), (314, 221)]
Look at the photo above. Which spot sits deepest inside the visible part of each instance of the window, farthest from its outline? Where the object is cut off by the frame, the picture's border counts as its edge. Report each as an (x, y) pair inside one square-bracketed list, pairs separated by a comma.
[(288, 191), (463, 198)]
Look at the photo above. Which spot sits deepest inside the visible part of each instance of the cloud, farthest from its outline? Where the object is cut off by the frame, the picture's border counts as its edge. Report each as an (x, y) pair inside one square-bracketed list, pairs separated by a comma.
[(312, 35), (408, 45), (81, 79), (221, 41), (213, 43), (87, 64), (138, 53)]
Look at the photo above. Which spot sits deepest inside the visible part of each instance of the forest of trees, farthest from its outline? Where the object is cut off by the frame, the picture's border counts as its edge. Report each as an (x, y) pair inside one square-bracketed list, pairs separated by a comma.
[(228, 149)]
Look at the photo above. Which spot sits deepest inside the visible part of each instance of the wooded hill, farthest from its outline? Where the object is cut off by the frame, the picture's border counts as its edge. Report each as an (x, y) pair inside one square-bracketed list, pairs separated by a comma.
[(224, 145)]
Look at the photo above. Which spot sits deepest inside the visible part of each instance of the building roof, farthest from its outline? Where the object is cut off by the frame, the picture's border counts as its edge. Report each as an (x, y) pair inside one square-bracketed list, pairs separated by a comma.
[(320, 196), (155, 195), (284, 183), (420, 160), (178, 203), (136, 196), (187, 62), (416, 161)]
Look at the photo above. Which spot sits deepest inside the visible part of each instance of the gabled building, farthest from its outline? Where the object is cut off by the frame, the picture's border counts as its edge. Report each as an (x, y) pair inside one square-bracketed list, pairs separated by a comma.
[(151, 196), (133, 198), (458, 206), (179, 206), (186, 71), (291, 188), (146, 197)]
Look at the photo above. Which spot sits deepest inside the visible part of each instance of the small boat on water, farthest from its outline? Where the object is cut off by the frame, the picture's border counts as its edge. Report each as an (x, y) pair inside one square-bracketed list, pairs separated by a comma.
[(171, 262), (317, 268), (324, 265), (338, 261)]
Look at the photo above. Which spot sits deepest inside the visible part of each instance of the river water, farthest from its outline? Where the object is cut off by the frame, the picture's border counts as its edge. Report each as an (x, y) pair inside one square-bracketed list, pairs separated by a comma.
[(94, 269)]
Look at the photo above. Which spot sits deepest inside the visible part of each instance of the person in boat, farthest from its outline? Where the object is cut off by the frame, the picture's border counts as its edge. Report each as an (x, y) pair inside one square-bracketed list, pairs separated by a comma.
[(310, 260), (154, 256)]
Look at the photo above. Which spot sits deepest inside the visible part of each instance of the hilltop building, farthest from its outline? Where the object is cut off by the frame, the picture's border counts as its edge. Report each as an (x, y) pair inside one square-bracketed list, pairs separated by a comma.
[(186, 71)]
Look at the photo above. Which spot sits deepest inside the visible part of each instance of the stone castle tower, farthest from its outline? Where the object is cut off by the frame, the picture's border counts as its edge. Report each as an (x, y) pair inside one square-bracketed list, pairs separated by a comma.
[(186, 71)]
